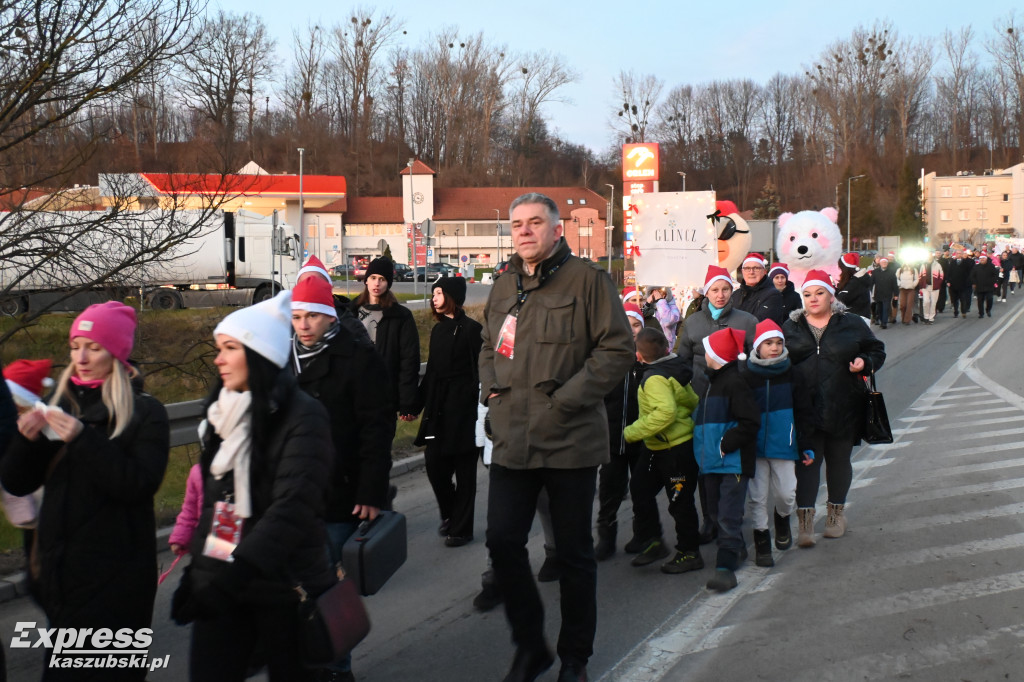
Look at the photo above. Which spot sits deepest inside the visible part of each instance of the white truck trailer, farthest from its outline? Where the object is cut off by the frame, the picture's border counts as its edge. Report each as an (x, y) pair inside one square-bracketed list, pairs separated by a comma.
[(173, 260)]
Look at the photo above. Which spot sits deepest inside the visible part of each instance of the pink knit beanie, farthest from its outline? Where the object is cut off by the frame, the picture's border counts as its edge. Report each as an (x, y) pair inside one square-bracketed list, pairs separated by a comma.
[(110, 324)]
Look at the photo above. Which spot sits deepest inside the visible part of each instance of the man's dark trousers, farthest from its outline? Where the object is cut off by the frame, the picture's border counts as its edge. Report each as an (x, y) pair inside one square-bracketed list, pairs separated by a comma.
[(511, 503)]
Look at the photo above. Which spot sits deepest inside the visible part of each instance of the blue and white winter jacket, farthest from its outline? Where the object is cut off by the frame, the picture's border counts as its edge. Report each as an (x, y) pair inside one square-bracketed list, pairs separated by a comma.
[(726, 424), (772, 383)]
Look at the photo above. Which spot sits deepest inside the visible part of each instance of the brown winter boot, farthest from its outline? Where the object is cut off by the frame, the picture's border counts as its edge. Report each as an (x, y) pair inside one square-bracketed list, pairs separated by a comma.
[(805, 518), (835, 524)]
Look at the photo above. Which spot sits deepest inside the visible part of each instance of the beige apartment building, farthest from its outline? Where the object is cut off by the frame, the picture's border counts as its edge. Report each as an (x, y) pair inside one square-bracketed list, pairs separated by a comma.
[(972, 208)]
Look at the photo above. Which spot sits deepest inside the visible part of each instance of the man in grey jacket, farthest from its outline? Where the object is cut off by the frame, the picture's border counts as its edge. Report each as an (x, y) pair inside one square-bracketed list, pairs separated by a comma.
[(555, 341)]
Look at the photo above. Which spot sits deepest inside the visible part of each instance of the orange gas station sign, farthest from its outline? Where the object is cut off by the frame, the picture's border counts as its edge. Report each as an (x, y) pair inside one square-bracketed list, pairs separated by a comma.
[(640, 162)]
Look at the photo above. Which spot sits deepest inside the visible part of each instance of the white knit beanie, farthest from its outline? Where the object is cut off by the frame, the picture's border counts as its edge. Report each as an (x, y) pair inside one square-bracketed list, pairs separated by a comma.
[(265, 327)]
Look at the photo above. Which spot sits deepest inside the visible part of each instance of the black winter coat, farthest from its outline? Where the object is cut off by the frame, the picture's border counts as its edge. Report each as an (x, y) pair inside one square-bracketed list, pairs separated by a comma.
[(284, 542), (985, 277), (821, 369), (451, 386), (856, 295), (791, 301), (623, 408), (885, 283), (95, 552), (960, 273), (762, 300), (346, 379), (398, 342)]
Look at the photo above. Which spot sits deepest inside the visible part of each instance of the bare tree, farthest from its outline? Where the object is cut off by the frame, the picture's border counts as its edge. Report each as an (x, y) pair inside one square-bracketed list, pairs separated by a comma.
[(907, 89), (224, 74), (640, 95), (1007, 48), (957, 92)]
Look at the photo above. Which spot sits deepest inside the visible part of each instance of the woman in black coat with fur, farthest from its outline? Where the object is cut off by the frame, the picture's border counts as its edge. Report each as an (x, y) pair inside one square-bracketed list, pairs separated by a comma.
[(449, 395), (831, 351), (260, 541)]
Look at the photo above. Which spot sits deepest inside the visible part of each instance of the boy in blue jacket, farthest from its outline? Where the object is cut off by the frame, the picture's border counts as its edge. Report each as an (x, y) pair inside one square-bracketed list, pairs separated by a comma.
[(725, 445), (769, 376), (666, 401)]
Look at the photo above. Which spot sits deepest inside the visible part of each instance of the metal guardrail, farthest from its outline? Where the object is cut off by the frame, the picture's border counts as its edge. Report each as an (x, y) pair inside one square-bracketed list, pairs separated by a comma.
[(185, 418)]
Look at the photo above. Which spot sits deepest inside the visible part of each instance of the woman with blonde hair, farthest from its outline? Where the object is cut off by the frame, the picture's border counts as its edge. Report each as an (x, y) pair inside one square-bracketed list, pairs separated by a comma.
[(100, 448)]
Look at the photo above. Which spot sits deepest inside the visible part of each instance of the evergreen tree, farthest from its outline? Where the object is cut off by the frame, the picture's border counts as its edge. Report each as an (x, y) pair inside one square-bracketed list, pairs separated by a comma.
[(906, 219), (768, 203)]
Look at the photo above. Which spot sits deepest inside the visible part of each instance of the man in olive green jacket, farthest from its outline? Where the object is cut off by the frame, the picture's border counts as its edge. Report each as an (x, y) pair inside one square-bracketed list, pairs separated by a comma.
[(555, 341)]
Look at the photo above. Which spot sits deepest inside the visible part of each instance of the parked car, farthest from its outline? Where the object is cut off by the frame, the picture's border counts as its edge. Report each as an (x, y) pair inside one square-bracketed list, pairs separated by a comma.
[(500, 269), (403, 272), (435, 270), (344, 271)]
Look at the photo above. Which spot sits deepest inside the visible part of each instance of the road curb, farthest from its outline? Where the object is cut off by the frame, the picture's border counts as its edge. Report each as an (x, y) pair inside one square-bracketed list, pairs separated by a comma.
[(14, 586)]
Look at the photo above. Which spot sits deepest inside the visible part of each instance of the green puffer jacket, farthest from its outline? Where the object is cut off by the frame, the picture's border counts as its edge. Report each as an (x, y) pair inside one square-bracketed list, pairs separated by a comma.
[(573, 344), (666, 402)]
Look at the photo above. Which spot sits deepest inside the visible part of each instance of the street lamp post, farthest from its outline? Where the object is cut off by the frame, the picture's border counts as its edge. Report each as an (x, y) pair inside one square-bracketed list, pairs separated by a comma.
[(458, 252), (412, 235), (302, 220), (497, 228), (848, 181), (609, 227), (683, 176)]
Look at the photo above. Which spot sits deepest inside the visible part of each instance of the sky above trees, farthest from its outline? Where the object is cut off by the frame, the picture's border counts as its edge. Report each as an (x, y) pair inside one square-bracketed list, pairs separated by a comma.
[(679, 43)]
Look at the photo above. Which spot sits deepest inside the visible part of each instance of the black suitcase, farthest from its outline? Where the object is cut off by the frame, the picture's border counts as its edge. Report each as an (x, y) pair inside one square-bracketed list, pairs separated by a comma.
[(375, 551)]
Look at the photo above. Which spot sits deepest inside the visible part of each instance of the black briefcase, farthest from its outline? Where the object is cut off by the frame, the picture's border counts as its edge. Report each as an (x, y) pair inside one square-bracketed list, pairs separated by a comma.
[(375, 551)]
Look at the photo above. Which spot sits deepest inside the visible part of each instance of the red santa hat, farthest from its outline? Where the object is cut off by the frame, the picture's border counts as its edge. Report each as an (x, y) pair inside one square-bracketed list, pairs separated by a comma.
[(630, 292), (633, 310), (726, 345), (850, 260), (26, 379), (818, 278), (726, 207), (755, 258), (716, 273), (314, 295), (779, 269), (766, 329), (314, 264)]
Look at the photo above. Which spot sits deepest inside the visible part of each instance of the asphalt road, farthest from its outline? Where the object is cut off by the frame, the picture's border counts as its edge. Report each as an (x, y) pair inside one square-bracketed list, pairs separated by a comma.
[(926, 585)]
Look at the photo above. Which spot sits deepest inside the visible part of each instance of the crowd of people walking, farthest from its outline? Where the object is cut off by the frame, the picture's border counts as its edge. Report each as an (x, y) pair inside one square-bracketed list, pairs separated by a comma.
[(729, 410)]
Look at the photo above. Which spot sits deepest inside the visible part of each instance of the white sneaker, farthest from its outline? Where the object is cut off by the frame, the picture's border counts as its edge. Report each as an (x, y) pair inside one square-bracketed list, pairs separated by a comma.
[(1002, 300)]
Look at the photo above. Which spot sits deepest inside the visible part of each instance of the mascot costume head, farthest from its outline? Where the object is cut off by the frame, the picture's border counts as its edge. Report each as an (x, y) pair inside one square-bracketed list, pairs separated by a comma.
[(733, 235), (809, 240)]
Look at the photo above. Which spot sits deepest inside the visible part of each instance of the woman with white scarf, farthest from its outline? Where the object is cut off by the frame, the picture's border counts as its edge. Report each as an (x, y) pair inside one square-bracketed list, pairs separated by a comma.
[(260, 541)]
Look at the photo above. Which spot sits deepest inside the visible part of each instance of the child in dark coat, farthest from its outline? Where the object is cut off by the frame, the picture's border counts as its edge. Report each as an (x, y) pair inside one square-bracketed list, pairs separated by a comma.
[(725, 445), (769, 375)]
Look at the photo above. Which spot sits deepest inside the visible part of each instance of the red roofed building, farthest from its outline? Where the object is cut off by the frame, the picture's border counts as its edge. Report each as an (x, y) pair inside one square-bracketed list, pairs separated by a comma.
[(458, 224)]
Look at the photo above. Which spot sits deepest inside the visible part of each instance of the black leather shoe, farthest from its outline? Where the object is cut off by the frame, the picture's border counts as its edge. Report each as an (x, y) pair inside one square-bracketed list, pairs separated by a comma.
[(572, 672), (529, 664)]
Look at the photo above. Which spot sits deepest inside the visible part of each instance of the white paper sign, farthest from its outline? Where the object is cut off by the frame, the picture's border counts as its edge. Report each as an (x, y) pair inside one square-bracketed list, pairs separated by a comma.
[(676, 239)]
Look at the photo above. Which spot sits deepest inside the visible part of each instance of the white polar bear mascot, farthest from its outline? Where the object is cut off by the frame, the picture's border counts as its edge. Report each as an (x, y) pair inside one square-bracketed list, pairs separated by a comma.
[(809, 240)]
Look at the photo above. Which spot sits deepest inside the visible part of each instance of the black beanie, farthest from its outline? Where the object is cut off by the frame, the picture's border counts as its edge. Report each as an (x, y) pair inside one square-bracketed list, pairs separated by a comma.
[(381, 266), (454, 288)]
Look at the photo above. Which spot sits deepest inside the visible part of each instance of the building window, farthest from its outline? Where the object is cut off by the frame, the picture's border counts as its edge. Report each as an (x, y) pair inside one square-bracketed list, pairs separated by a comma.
[(329, 231), (982, 191), (982, 214), (946, 191), (945, 215), (583, 202), (1006, 197), (1006, 220), (965, 214), (569, 201), (311, 230), (965, 190)]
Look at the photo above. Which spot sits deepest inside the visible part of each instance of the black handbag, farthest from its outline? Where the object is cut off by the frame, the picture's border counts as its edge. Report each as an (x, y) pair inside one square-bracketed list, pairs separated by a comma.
[(332, 624), (876, 419)]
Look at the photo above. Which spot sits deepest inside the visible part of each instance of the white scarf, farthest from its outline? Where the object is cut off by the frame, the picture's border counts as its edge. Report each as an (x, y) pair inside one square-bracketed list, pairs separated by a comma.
[(232, 420)]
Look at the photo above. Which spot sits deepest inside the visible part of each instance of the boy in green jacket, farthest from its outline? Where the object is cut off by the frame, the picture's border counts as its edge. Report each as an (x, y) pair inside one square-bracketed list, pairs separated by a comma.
[(666, 401)]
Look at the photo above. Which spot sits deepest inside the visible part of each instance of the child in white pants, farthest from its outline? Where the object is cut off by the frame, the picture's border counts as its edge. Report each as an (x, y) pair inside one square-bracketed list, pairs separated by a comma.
[(768, 373)]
